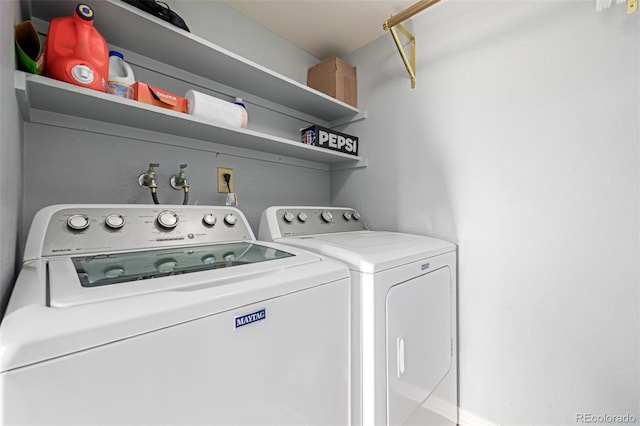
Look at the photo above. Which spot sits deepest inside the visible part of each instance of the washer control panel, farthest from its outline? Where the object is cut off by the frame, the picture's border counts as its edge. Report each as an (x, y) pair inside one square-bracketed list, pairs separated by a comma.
[(90, 229), (299, 221)]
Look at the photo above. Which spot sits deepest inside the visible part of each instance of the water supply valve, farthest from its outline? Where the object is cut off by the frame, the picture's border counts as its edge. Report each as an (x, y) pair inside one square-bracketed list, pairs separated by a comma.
[(148, 179), (179, 180)]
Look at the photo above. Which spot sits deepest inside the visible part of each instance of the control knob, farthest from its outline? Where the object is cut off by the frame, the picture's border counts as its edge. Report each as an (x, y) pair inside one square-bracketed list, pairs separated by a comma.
[(167, 219), (230, 219), (209, 219), (346, 215), (114, 221), (288, 217), (78, 222), (326, 216), (302, 217), (356, 215)]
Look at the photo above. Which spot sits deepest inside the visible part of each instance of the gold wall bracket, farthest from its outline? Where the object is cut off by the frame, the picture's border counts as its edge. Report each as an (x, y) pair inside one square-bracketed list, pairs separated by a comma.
[(390, 25), (410, 64), (632, 6)]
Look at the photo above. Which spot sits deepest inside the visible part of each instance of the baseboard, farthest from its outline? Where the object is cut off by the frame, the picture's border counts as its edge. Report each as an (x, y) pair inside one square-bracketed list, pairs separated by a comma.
[(468, 418), (441, 407)]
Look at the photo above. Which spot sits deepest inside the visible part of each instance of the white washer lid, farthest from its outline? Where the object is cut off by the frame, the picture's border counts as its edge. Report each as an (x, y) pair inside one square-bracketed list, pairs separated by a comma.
[(372, 251)]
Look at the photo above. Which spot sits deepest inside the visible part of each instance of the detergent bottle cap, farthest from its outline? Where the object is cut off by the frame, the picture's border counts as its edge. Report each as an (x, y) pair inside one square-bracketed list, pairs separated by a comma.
[(239, 102), (84, 11), (116, 53)]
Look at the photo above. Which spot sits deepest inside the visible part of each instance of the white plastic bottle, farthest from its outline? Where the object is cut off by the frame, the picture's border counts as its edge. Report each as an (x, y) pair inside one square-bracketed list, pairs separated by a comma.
[(121, 76), (243, 113)]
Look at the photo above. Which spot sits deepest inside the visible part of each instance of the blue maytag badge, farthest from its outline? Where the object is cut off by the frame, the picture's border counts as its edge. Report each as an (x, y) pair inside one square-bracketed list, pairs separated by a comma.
[(242, 320)]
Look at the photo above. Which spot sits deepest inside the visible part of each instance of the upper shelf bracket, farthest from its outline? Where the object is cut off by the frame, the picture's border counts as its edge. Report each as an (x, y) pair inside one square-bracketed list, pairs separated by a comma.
[(394, 21), (410, 64)]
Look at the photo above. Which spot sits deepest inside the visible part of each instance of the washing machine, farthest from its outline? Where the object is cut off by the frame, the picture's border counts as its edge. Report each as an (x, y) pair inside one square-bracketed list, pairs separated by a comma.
[(171, 315), (403, 293)]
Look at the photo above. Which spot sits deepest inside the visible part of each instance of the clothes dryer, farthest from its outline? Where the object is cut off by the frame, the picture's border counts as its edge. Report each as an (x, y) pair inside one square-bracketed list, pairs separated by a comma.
[(171, 315), (403, 312)]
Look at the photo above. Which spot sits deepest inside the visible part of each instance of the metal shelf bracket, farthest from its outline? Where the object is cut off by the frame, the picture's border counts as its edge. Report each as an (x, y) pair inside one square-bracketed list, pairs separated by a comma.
[(392, 22), (410, 64)]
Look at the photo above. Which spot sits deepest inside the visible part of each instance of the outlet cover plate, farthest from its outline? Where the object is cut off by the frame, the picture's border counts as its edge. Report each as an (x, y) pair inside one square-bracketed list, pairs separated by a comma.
[(222, 184)]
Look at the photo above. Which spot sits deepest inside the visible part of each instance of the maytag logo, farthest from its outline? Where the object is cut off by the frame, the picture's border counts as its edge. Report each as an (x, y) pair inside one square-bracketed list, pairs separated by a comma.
[(247, 319), (424, 266)]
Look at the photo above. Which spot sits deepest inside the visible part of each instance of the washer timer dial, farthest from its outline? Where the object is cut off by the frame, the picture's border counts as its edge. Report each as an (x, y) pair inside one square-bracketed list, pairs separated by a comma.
[(168, 219)]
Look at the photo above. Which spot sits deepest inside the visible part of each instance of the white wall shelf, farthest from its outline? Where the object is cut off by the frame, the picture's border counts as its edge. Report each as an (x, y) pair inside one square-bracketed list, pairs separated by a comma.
[(43, 93), (131, 29)]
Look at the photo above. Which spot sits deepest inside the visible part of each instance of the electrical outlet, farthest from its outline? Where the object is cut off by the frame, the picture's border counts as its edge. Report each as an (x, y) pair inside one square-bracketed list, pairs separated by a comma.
[(222, 183)]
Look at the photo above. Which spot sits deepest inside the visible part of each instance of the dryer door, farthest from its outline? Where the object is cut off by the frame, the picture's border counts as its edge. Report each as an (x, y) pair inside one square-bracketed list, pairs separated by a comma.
[(418, 339)]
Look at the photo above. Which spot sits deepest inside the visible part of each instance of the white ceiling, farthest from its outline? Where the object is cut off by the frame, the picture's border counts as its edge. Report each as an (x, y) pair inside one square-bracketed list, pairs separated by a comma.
[(323, 27)]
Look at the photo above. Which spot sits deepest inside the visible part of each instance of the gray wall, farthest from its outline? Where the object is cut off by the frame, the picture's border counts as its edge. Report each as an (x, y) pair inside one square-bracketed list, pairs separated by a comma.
[(71, 166), (10, 154), (521, 144)]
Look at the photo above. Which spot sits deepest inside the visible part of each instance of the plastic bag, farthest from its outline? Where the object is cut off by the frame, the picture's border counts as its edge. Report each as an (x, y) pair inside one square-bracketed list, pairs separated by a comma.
[(161, 10)]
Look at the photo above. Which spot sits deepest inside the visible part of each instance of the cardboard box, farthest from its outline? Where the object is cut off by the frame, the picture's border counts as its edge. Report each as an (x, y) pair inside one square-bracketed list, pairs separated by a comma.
[(330, 139), (152, 95), (336, 78)]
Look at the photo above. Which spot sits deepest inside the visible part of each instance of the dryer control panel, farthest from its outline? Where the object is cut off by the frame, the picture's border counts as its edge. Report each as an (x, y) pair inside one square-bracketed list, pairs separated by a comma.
[(283, 221), (72, 230)]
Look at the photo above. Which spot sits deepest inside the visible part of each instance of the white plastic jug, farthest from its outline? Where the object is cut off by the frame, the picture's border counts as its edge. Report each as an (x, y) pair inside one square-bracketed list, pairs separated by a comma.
[(121, 76)]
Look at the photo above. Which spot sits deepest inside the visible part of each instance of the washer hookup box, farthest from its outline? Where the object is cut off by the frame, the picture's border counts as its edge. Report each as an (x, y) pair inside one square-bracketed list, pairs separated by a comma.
[(330, 139)]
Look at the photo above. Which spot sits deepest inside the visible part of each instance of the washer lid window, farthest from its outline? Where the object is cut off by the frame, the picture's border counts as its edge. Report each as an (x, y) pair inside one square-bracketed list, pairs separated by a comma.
[(106, 269)]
